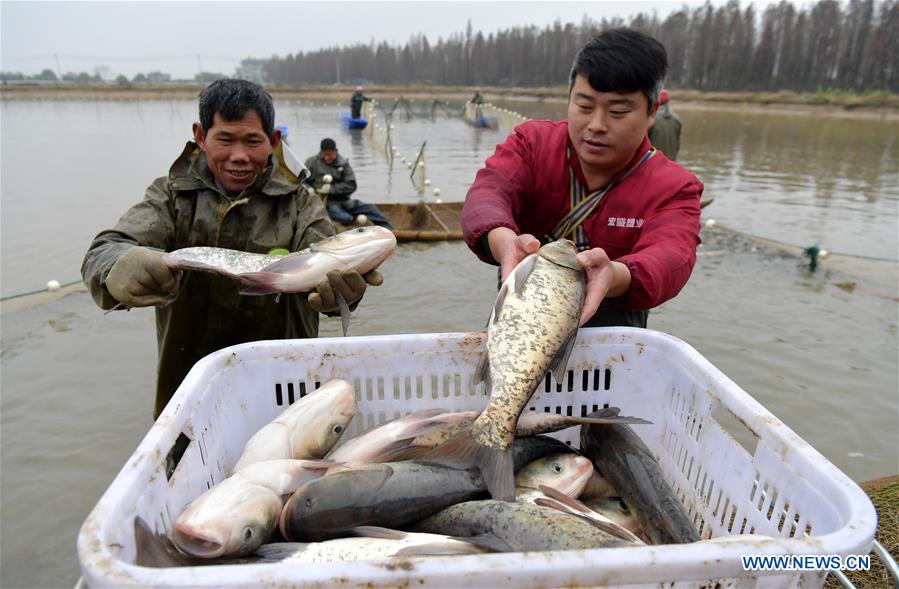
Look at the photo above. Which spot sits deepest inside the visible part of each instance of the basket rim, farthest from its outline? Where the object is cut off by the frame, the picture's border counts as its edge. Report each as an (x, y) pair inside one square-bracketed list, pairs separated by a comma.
[(118, 500)]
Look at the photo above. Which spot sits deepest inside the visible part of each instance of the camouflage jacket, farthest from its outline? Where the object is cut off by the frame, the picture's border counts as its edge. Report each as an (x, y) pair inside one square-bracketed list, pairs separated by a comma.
[(186, 209)]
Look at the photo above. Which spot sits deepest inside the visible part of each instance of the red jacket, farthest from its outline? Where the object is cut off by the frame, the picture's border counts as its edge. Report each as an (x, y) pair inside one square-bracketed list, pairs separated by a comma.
[(650, 221)]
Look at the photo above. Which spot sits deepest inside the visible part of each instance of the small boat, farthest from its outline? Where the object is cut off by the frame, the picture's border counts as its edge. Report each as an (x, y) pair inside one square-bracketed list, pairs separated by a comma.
[(483, 122), (432, 221), (352, 123), (423, 221)]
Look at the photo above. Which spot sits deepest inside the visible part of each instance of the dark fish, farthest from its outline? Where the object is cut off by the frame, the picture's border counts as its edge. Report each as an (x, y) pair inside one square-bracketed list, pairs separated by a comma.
[(390, 495), (629, 465)]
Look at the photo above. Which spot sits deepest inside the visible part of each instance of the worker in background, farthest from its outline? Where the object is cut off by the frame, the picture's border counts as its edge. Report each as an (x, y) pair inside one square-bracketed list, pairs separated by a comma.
[(356, 102), (665, 132), (334, 180)]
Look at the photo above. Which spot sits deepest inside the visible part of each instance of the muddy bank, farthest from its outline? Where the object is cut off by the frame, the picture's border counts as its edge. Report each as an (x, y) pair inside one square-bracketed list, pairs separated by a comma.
[(836, 104), (884, 493)]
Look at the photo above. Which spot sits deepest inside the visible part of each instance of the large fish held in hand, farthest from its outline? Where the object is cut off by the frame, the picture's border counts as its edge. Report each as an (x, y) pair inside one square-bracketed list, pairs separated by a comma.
[(531, 330), (362, 249)]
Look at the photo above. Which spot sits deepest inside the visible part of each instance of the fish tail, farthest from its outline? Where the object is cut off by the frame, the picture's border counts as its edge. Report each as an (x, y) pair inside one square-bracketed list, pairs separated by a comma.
[(261, 283), (497, 471), (494, 464)]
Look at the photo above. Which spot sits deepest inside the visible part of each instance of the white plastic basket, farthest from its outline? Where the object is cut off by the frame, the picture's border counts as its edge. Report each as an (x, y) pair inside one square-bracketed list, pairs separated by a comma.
[(780, 487)]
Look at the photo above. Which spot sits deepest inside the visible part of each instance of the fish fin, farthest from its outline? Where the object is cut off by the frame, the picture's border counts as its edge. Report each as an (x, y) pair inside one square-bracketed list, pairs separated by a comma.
[(459, 452), (498, 304), (494, 464), (559, 364), (378, 532), (439, 549), (155, 550), (609, 419), (283, 475), (482, 371), (344, 311), (425, 422), (316, 464), (289, 264), (562, 502), (554, 493), (487, 540), (497, 471), (402, 454), (276, 551), (606, 412), (522, 271), (261, 283)]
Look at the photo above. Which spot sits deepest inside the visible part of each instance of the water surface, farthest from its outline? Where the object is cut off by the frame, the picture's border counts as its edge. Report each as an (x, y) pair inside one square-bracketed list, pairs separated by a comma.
[(819, 349)]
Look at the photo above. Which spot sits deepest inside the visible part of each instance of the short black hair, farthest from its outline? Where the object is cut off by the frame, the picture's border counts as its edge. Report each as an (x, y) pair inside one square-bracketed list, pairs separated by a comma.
[(231, 99), (328, 144), (622, 60)]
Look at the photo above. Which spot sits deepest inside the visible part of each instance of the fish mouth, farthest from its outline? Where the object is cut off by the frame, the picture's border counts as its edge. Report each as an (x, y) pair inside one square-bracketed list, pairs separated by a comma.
[(191, 541)]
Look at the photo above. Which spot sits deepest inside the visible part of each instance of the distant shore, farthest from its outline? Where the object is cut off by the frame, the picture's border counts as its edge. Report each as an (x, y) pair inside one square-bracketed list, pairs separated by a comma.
[(831, 103)]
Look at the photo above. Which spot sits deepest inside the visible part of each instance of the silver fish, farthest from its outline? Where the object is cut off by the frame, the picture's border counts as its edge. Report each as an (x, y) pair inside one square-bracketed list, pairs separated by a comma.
[(617, 511), (388, 436), (567, 473), (361, 249), (531, 330), (546, 496), (598, 488), (373, 543), (309, 428), (234, 517)]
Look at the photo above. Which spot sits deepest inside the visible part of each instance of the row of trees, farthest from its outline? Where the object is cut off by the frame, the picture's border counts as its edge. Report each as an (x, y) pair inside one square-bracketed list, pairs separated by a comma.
[(154, 77), (826, 45)]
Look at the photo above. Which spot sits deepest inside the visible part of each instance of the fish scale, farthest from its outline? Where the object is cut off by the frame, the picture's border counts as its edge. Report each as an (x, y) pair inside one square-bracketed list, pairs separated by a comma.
[(532, 328), (229, 261)]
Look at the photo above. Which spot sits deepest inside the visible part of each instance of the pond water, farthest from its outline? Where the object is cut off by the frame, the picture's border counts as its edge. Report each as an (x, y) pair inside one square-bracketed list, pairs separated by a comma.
[(819, 350)]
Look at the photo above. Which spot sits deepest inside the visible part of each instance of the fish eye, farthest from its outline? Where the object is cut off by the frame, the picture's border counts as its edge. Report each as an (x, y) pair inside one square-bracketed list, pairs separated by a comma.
[(247, 534), (557, 467), (360, 230), (338, 429), (622, 506), (308, 502)]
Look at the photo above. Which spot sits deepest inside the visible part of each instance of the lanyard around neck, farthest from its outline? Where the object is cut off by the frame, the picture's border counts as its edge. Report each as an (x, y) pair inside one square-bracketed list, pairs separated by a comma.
[(583, 204)]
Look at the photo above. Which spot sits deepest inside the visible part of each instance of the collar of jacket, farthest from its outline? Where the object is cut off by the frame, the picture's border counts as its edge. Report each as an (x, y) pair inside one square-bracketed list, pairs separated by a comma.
[(340, 161), (191, 172)]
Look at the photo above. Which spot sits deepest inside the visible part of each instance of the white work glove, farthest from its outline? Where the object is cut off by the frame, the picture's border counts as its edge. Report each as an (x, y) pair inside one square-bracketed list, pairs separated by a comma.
[(327, 179), (324, 189)]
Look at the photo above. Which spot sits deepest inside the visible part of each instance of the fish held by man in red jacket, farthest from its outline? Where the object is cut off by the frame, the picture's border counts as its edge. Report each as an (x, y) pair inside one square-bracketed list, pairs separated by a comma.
[(531, 330)]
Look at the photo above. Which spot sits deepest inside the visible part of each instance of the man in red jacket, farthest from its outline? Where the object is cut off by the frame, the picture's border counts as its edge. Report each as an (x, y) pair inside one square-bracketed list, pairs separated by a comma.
[(595, 179)]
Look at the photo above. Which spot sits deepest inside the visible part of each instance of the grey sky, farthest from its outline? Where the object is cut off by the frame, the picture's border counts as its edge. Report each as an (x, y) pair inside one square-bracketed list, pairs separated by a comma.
[(178, 38)]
